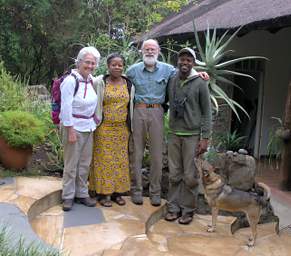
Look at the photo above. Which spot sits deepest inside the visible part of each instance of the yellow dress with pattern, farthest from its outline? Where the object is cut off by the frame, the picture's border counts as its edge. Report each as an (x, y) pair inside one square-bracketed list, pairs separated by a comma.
[(110, 166)]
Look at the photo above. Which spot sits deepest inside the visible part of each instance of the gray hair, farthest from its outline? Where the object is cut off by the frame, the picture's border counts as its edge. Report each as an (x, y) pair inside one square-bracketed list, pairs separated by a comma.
[(150, 41), (88, 50)]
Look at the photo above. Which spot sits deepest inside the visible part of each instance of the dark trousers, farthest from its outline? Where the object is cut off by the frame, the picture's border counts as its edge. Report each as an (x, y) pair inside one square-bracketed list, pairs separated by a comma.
[(183, 175)]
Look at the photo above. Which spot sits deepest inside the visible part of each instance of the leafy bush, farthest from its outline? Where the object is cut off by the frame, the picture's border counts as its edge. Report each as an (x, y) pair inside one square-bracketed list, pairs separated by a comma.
[(275, 143), (21, 129), (56, 152), (107, 45), (14, 97), (228, 141), (12, 92), (52, 142), (211, 155)]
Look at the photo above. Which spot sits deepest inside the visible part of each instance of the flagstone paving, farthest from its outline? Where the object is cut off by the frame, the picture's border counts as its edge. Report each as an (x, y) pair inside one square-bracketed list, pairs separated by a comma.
[(124, 230)]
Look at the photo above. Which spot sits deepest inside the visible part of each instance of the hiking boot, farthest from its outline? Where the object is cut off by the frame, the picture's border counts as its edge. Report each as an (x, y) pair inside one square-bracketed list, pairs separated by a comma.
[(88, 201), (67, 204), (137, 199), (155, 200)]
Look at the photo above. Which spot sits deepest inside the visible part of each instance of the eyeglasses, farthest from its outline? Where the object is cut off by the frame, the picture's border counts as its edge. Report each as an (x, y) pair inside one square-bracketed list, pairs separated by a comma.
[(88, 62)]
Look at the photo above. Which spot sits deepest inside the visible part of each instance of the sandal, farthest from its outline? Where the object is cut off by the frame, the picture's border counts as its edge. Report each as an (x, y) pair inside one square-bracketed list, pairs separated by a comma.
[(105, 201), (119, 200), (172, 216), (186, 219)]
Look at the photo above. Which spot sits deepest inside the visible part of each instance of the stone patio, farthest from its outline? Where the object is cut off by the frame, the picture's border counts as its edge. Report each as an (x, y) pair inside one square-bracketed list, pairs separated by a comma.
[(122, 230)]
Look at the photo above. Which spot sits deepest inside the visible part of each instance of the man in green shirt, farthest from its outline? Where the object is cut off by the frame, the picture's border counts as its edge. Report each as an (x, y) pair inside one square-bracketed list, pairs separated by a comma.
[(190, 128)]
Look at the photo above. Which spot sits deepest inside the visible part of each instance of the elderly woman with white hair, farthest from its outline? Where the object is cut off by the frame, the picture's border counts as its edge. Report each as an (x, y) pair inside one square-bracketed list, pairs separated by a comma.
[(77, 118)]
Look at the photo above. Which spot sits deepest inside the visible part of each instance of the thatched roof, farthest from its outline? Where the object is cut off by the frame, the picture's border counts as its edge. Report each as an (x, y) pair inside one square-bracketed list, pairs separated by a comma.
[(225, 14)]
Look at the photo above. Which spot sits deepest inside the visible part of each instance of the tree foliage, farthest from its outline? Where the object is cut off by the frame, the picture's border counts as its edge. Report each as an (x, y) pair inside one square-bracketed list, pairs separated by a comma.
[(36, 35), (134, 16), (39, 37)]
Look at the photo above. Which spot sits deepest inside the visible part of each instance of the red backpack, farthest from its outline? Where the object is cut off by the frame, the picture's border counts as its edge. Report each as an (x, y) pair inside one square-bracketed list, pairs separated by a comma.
[(56, 95)]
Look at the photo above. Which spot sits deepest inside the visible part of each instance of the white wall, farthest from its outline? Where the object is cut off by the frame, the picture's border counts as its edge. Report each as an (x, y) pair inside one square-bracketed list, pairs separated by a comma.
[(277, 48)]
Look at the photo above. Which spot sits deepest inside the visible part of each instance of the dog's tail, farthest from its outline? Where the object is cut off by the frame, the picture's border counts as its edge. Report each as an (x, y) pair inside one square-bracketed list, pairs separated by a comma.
[(265, 202), (267, 191), (265, 198)]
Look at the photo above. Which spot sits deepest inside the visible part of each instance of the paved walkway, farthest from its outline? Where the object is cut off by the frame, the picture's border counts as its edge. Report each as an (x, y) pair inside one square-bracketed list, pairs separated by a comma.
[(32, 206), (280, 200)]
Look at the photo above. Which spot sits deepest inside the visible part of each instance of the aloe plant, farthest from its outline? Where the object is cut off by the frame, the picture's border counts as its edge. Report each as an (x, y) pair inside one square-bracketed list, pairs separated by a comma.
[(213, 56)]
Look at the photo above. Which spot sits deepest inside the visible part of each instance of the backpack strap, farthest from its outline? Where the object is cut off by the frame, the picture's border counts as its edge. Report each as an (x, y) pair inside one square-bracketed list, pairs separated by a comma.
[(77, 83)]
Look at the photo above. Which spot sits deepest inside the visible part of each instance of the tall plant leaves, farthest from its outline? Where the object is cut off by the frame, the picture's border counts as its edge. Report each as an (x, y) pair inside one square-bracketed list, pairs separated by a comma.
[(212, 61)]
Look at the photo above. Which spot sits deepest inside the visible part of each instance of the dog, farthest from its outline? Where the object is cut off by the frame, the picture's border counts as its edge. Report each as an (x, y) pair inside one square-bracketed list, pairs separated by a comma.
[(221, 196)]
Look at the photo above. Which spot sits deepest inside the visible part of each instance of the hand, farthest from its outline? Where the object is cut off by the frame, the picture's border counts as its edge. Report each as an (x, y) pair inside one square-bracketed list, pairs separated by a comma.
[(201, 147), (204, 75), (72, 135)]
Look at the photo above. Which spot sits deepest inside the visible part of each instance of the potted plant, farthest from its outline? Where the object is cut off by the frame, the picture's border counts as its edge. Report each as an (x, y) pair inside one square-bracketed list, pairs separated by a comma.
[(19, 131)]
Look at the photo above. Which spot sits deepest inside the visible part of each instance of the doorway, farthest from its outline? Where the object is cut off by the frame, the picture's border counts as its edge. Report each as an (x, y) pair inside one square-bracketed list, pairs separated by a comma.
[(249, 96)]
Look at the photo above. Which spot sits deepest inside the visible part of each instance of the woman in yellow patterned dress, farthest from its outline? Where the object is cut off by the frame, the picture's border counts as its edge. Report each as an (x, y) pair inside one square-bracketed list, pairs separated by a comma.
[(109, 176)]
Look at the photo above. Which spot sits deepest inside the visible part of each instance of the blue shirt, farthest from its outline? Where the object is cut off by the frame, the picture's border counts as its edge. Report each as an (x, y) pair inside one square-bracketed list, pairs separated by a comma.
[(150, 87)]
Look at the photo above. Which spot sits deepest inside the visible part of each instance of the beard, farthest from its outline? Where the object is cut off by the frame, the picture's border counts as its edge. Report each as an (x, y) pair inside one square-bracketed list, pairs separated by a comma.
[(150, 60)]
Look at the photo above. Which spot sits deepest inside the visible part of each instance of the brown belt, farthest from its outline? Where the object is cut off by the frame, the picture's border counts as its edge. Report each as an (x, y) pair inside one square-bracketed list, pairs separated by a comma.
[(144, 105)]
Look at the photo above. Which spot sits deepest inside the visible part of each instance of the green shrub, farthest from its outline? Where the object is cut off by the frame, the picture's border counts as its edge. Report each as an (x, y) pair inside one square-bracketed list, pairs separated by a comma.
[(12, 92), (55, 153), (211, 155), (21, 129), (52, 143), (107, 45), (14, 97), (228, 141), (275, 143)]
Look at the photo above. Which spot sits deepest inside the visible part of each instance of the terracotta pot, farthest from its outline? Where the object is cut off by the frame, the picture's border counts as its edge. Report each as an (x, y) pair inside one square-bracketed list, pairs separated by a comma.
[(14, 158)]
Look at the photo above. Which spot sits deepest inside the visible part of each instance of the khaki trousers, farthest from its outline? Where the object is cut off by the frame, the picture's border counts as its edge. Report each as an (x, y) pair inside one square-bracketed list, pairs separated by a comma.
[(147, 122), (77, 160), (183, 175)]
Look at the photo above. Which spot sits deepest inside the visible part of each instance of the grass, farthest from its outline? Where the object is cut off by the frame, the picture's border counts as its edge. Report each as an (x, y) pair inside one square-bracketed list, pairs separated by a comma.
[(20, 249)]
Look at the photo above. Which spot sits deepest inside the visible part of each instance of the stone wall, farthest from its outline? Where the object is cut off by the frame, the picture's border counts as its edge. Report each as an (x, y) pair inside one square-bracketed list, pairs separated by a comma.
[(39, 92)]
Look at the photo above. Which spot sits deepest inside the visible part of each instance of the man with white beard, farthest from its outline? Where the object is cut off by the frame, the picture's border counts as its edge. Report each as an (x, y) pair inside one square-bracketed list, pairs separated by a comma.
[(150, 78)]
